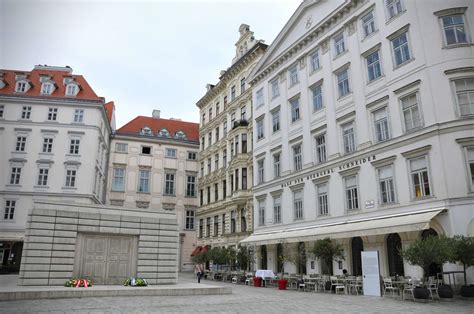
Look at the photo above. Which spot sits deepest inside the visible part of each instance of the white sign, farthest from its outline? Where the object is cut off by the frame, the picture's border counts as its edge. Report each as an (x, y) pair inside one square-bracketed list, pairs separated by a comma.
[(371, 273), (369, 204)]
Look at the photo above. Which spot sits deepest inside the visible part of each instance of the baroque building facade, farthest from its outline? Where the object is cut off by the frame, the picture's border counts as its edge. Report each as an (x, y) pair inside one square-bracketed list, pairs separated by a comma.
[(363, 122), (153, 167), (54, 131), (224, 216)]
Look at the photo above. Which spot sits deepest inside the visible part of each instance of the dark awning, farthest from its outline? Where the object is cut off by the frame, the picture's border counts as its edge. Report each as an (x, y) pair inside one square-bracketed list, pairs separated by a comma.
[(196, 250)]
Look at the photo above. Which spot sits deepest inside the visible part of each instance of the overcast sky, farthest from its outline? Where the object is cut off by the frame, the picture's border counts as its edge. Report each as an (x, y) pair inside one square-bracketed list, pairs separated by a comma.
[(143, 55)]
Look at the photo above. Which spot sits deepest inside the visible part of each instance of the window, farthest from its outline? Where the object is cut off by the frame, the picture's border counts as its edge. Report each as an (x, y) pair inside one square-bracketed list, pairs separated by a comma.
[(217, 134), (401, 50), (223, 224), (244, 178), (243, 220), (224, 188), (21, 87), (373, 66), (470, 164), (293, 73), (2, 109), (208, 165), (260, 129), (298, 204), (261, 212), (242, 85), (454, 29), (224, 127), (275, 88), (244, 143), (201, 197), (144, 181), (190, 216), (208, 226), (394, 8), (203, 142), (52, 114), (317, 93), (236, 179), (276, 165), (232, 118), (71, 178), (210, 113), (74, 146), (192, 156), (47, 145), (208, 194), (277, 209), (121, 147), (233, 221), (171, 153), (224, 158), (20, 143), (26, 112), (314, 61), (420, 179), (78, 115), (216, 226), (382, 132), (216, 161), (71, 90), (352, 197), (9, 209), (295, 109), (203, 118), (46, 88), (297, 158), (216, 192), (146, 150), (465, 95), (387, 187), (179, 135), (43, 176), (146, 131), (320, 148), (209, 138), (201, 226), (166, 133), (259, 98), (232, 93), (243, 113), (339, 46), (322, 194), (348, 137), (276, 121), (225, 100), (217, 108), (231, 178), (343, 83), (411, 112), (368, 23), (261, 171), (118, 181), (15, 175), (191, 186)]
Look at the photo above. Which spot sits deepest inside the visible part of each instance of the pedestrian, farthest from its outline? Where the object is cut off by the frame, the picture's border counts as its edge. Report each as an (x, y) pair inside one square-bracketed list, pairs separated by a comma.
[(198, 270)]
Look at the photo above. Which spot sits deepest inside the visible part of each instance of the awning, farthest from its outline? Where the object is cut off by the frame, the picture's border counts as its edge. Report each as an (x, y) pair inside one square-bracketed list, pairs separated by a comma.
[(196, 250), (412, 221), (204, 249), (12, 236)]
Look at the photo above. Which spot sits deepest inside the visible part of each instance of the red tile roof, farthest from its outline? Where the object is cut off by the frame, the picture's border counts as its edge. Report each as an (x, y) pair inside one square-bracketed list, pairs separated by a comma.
[(191, 129), (57, 75), (109, 110)]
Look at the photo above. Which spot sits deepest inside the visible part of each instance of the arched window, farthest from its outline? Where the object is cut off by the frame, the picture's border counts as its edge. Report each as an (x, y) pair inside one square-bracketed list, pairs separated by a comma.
[(72, 89), (357, 248), (301, 263), (146, 131), (263, 253), (180, 135), (278, 258), (164, 133), (434, 269), (395, 260)]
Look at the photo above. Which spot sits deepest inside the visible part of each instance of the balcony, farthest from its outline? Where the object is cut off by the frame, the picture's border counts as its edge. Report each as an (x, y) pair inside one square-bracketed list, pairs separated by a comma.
[(240, 123)]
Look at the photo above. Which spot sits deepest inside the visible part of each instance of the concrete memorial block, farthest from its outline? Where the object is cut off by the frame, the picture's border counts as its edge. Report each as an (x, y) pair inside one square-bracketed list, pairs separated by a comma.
[(105, 244)]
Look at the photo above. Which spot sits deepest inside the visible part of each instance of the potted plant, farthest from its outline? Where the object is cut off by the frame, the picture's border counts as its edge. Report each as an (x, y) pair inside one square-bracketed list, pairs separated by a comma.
[(328, 251), (464, 253), (424, 252), (287, 255)]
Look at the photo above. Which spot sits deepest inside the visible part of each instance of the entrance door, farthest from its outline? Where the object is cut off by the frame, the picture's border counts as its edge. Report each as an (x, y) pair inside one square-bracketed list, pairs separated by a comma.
[(371, 273), (107, 259)]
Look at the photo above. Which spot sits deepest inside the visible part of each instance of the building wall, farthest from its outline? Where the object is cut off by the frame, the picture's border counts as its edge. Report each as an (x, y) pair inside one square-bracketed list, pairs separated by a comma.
[(443, 136)]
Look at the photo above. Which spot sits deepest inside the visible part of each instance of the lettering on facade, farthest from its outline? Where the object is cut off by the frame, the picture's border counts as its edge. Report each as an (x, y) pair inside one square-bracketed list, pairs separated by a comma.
[(328, 172)]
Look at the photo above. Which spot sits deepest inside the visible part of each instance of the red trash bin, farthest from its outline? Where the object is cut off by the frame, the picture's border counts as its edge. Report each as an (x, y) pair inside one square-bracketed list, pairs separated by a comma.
[(257, 281)]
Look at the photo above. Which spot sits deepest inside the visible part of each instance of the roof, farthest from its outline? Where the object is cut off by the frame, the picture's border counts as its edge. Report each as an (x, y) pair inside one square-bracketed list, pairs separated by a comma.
[(56, 75), (109, 109), (191, 129)]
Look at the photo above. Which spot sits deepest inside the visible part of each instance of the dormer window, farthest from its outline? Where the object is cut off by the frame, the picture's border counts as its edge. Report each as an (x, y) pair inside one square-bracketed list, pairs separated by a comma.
[(47, 88), (164, 133), (71, 90), (180, 135), (21, 87), (146, 131), (2, 84)]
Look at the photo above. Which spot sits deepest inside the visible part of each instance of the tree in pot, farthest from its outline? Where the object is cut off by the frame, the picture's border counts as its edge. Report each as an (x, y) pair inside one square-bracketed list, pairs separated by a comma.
[(285, 255), (464, 253), (424, 252), (328, 251)]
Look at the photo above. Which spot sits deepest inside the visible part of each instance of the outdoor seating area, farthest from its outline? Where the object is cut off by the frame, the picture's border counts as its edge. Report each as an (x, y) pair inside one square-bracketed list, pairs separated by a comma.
[(403, 288)]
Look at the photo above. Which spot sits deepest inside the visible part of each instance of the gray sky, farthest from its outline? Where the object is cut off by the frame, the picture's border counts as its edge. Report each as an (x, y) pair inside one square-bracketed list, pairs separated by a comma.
[(144, 55)]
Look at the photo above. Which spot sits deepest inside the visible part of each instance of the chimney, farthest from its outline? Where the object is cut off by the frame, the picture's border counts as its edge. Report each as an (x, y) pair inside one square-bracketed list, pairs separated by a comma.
[(156, 114)]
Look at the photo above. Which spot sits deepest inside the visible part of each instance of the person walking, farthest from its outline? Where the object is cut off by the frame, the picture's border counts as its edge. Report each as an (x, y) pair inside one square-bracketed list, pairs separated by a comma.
[(198, 271)]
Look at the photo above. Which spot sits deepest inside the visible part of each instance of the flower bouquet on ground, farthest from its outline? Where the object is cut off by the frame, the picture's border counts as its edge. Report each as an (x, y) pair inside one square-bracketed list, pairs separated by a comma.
[(77, 283), (135, 282)]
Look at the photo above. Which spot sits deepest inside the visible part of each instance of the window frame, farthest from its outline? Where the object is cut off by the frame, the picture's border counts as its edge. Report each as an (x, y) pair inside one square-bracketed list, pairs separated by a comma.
[(261, 212), (313, 89), (364, 23), (276, 165), (340, 88), (384, 180), (402, 32), (317, 146), (387, 11), (374, 124), (468, 92), (275, 88), (357, 197), (52, 114), (259, 99), (354, 137), (297, 162), (428, 174), (277, 209), (26, 112), (171, 153), (298, 209), (379, 62), (337, 45), (9, 210), (420, 111), (293, 75), (295, 112), (260, 126), (189, 220), (261, 170), (319, 206), (146, 180)]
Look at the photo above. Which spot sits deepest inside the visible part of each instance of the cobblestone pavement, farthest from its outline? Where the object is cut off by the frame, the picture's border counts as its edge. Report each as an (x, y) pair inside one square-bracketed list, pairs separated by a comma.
[(244, 299)]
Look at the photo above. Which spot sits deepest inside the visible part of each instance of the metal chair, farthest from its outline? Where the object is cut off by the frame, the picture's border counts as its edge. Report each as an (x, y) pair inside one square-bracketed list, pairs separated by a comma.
[(388, 286)]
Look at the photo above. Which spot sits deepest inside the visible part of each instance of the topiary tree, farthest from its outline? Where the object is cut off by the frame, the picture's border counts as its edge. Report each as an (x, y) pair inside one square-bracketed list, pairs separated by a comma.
[(287, 255), (463, 252), (424, 252), (244, 257), (328, 251)]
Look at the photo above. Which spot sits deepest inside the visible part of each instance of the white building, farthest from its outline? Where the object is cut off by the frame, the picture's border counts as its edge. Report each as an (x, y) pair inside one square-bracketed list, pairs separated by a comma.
[(55, 133), (364, 133), (153, 165)]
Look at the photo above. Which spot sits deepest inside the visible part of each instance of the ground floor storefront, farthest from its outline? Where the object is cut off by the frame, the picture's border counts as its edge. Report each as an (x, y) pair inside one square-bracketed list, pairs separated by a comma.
[(10, 255)]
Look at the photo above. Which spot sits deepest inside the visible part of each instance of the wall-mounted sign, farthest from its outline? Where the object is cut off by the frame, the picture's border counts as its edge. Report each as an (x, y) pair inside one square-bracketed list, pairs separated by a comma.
[(369, 204)]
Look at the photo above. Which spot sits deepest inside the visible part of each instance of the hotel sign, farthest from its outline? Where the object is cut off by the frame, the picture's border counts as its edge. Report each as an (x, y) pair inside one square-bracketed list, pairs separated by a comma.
[(328, 172)]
